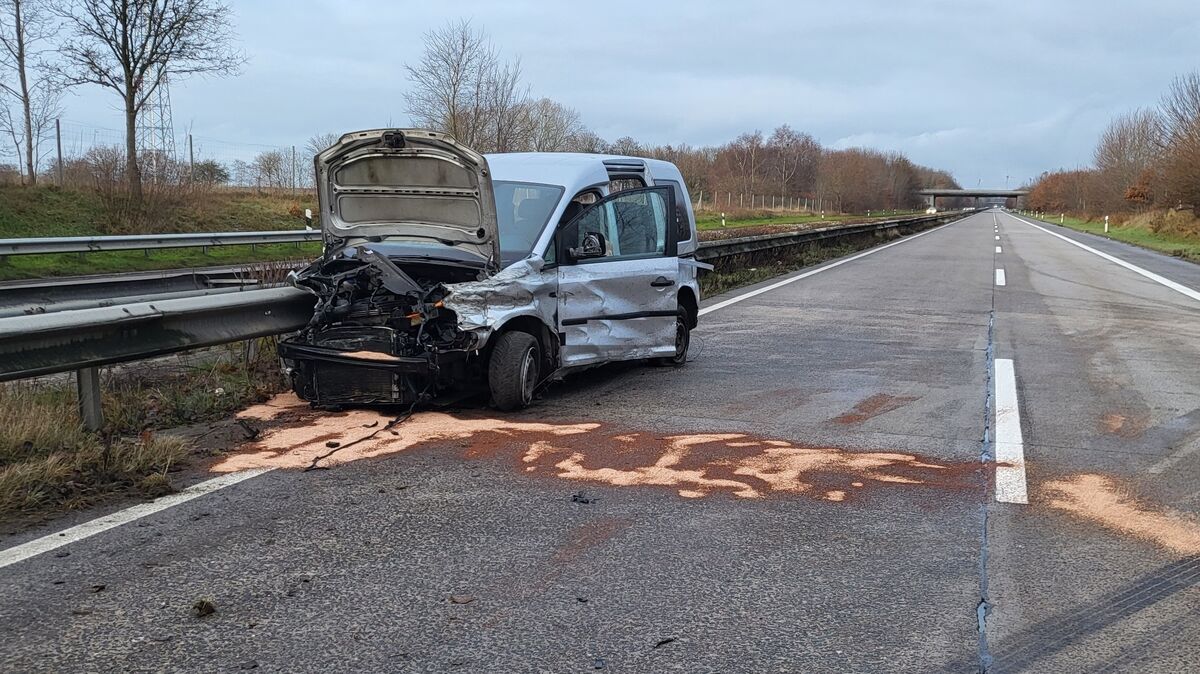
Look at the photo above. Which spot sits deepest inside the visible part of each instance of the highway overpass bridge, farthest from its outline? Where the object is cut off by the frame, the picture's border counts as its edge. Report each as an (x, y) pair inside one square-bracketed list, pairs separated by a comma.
[(933, 194)]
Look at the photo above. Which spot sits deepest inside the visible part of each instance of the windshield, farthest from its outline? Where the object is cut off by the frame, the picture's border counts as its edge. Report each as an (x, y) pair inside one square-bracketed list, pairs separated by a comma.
[(522, 210)]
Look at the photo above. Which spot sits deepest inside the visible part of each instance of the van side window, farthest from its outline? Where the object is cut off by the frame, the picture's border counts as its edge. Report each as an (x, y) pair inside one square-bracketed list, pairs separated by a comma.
[(634, 224), (682, 226)]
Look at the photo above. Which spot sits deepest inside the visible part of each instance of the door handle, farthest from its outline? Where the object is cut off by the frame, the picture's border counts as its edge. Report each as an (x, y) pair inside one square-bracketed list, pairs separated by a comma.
[(662, 282)]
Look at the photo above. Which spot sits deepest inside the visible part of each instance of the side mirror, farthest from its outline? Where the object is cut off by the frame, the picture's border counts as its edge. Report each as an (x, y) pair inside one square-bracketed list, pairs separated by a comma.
[(593, 247)]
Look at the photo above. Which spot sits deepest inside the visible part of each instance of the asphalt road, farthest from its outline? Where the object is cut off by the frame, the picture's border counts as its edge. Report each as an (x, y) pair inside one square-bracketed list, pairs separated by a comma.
[(813, 492)]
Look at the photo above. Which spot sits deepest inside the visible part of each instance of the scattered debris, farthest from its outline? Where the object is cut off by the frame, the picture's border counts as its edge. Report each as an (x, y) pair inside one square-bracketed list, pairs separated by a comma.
[(99, 587), (250, 431), (598, 663), (332, 444), (204, 606), (581, 600), (664, 642), (461, 599), (578, 497), (249, 664), (64, 553)]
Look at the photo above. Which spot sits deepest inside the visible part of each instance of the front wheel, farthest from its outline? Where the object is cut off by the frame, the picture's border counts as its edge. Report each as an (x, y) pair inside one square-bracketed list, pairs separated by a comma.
[(683, 339), (514, 369)]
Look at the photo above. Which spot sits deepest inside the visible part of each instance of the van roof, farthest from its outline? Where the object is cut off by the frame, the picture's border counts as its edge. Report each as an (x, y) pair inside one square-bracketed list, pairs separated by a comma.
[(573, 170)]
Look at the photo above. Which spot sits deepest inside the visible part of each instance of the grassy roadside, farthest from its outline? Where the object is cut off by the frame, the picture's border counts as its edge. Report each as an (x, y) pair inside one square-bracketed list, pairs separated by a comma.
[(708, 220), (1175, 243), (715, 283), (48, 463), (68, 264), (44, 211)]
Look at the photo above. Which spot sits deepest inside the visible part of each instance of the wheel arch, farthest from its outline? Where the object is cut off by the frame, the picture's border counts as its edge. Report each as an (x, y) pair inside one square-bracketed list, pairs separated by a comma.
[(688, 301), (546, 337)]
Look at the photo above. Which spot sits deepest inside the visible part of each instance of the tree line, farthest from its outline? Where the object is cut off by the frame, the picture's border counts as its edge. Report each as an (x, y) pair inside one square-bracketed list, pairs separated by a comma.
[(1145, 159), (463, 86)]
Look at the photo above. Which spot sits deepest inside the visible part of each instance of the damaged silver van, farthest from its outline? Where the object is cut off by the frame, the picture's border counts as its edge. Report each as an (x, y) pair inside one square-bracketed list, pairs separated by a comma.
[(445, 270)]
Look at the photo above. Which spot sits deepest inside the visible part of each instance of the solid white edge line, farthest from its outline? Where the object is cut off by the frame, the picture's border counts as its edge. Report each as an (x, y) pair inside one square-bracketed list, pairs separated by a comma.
[(1177, 287), (92, 527), (1010, 447), (999, 277), (792, 279), (998, 250)]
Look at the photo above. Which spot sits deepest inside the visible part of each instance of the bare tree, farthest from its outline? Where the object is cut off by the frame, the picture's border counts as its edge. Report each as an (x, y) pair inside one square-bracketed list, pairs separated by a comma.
[(1179, 125), (25, 25), (1126, 150), (130, 46), (506, 109), (553, 126), (748, 157), (586, 141), (270, 169), (317, 143), (463, 88), (791, 160), (450, 82)]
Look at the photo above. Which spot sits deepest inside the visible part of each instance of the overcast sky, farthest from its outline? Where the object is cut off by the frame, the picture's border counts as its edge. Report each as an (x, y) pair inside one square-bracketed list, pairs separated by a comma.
[(990, 90)]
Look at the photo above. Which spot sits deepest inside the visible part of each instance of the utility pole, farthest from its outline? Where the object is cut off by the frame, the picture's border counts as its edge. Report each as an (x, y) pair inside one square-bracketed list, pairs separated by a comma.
[(58, 143)]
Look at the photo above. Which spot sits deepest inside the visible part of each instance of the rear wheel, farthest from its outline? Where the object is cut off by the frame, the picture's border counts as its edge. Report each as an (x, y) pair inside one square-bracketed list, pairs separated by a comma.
[(683, 339), (514, 370)]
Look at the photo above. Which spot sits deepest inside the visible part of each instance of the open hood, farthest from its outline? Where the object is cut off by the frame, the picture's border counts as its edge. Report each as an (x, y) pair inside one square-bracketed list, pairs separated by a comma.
[(408, 184)]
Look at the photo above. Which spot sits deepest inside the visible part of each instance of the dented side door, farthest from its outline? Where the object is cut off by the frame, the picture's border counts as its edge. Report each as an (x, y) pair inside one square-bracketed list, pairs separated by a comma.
[(620, 306)]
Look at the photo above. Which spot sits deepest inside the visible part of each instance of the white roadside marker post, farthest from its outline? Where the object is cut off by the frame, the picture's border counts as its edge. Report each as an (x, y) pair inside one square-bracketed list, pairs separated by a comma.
[(1106, 224)]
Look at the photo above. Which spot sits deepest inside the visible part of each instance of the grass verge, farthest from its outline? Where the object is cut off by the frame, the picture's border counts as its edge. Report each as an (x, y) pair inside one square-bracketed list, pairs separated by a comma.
[(47, 211), (1178, 241), (710, 220), (49, 463), (68, 264)]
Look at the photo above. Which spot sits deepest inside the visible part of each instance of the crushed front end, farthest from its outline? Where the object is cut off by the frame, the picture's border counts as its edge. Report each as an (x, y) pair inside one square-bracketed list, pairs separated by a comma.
[(380, 335)]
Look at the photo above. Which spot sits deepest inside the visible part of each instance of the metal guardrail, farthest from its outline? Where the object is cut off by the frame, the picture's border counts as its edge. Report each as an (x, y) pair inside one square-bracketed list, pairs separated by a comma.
[(72, 340), (39, 296), (711, 250), (93, 244), (85, 339)]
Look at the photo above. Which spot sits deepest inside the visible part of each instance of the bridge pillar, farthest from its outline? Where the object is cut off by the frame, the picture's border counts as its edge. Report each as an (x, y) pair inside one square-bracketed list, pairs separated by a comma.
[(932, 201), (976, 203)]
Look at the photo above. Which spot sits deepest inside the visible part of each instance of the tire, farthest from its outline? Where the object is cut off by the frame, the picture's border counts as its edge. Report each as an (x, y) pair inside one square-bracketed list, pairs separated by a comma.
[(514, 370), (683, 340)]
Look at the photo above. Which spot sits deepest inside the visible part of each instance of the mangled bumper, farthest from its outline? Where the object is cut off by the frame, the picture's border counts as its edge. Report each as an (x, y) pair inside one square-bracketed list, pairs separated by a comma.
[(326, 370)]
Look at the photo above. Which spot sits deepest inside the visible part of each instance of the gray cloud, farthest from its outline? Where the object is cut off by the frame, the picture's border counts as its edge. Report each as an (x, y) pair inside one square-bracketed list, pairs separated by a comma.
[(986, 89)]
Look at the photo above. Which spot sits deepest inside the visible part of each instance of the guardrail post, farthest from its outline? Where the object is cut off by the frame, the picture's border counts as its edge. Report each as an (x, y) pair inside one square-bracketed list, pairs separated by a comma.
[(88, 383)]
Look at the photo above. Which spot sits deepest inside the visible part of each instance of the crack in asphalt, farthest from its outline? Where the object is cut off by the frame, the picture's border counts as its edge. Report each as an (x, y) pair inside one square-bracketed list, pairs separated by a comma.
[(986, 455)]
